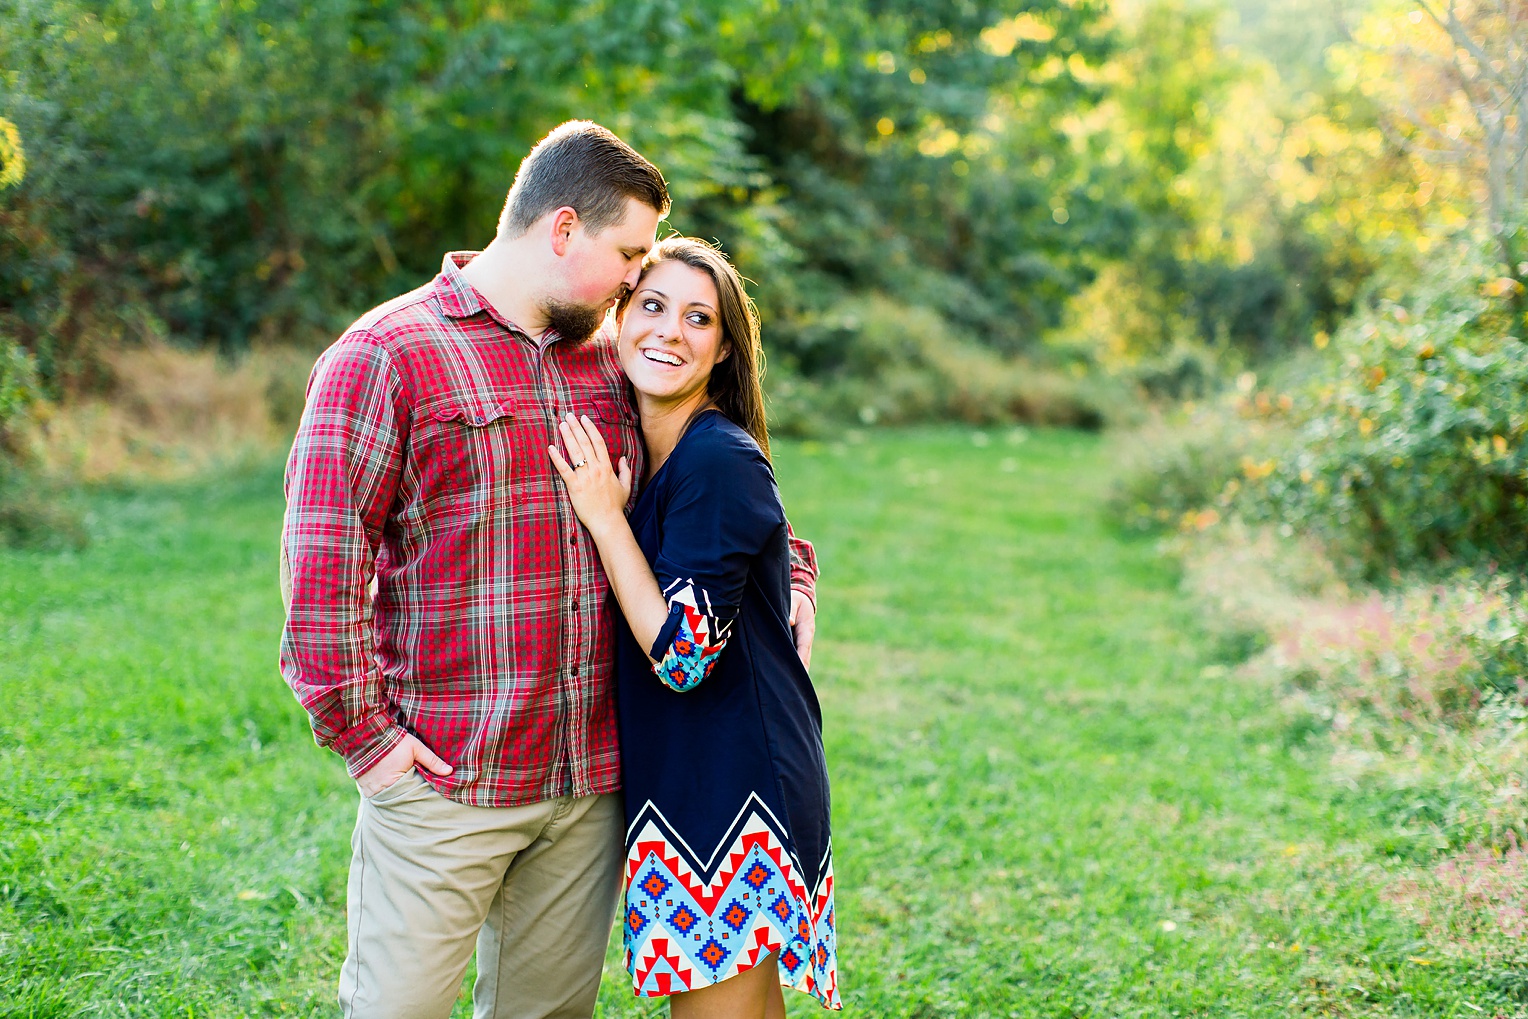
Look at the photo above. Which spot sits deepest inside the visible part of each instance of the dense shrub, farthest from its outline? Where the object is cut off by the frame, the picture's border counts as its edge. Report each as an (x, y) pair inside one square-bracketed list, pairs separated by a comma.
[(269, 170), (1189, 467), (18, 386), (30, 512), (173, 411), (1405, 447), (35, 513), (1171, 475), (875, 360), (1414, 452), (1184, 371)]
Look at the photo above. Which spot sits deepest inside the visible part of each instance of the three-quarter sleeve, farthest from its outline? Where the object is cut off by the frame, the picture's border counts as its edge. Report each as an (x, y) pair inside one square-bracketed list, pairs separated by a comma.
[(340, 483), (721, 510), (692, 637)]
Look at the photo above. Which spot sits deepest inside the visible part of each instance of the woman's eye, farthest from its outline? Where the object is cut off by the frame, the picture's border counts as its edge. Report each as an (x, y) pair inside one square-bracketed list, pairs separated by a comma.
[(700, 318), (651, 305)]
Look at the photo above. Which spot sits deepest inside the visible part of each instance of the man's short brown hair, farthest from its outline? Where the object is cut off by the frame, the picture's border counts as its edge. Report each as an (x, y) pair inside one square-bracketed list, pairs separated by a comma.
[(582, 165)]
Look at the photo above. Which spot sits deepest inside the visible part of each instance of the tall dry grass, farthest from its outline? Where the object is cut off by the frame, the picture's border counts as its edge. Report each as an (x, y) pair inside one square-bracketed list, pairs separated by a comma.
[(169, 412)]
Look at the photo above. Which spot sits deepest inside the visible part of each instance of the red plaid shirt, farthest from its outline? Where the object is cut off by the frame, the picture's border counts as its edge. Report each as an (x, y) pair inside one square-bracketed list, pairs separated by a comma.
[(421, 463)]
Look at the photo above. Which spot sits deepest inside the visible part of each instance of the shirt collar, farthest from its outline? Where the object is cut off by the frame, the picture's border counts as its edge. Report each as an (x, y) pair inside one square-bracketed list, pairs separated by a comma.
[(457, 297)]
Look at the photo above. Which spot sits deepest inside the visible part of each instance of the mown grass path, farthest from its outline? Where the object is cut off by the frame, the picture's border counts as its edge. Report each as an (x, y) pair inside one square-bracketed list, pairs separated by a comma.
[(1050, 797)]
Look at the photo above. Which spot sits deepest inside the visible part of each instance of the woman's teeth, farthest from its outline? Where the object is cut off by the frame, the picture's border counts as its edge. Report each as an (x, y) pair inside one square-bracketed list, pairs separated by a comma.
[(661, 357)]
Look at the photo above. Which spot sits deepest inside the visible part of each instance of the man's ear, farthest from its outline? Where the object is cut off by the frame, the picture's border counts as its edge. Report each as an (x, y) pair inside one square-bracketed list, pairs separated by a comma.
[(562, 225)]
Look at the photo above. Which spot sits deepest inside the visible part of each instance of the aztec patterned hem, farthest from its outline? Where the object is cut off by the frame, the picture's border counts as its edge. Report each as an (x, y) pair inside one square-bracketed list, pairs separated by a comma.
[(682, 932)]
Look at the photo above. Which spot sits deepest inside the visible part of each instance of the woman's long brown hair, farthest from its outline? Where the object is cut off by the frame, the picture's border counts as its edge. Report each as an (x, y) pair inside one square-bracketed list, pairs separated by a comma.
[(736, 384)]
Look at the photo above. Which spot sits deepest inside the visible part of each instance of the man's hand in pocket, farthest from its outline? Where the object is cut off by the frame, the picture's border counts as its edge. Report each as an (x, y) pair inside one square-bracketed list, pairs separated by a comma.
[(397, 762)]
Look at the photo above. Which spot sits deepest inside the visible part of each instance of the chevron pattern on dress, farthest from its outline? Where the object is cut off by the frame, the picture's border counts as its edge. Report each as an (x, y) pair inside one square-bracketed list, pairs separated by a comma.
[(684, 930)]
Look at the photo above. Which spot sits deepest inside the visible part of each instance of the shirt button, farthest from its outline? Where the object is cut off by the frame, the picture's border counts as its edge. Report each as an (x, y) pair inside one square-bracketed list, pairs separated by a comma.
[(573, 539), (575, 604), (575, 670)]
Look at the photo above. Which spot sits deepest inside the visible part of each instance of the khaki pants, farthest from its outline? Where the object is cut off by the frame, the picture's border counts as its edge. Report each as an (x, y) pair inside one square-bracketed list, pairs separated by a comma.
[(534, 886)]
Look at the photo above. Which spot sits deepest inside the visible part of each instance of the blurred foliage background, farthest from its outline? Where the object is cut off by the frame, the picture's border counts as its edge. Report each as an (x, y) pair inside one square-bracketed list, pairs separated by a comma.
[(1071, 212), (1157, 185), (265, 171)]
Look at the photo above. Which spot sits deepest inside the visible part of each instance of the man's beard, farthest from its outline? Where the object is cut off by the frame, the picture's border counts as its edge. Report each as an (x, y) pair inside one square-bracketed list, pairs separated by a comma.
[(573, 322)]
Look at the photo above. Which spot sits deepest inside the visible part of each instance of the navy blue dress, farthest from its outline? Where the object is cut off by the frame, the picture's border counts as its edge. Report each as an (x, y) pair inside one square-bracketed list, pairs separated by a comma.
[(728, 853)]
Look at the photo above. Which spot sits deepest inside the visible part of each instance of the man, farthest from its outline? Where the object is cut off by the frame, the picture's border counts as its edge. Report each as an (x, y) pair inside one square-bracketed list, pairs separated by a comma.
[(470, 693)]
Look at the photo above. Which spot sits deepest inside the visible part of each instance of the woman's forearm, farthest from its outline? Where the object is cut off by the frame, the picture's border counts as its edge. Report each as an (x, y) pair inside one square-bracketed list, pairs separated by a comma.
[(632, 580)]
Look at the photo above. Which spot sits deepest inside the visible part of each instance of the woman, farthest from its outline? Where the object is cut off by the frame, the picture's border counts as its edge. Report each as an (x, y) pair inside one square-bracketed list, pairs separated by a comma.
[(729, 862)]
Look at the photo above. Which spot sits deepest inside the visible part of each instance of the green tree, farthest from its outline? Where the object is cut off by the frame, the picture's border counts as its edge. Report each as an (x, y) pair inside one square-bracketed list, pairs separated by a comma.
[(274, 167)]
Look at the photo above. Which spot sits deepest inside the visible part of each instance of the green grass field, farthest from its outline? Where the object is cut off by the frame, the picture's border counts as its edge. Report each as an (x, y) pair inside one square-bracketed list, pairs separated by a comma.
[(1051, 795)]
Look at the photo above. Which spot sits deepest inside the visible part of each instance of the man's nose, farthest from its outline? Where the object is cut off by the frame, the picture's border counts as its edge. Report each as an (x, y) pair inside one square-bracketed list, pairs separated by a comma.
[(632, 275)]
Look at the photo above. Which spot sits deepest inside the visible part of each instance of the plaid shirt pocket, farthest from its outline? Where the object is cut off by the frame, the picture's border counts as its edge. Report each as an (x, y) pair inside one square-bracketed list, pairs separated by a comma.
[(617, 423), (465, 454)]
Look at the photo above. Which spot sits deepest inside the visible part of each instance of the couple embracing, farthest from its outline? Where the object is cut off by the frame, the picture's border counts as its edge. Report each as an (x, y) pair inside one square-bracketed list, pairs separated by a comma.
[(534, 557)]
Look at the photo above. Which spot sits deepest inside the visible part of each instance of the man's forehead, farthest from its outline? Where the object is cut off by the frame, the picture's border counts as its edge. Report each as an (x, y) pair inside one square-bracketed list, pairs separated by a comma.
[(639, 227)]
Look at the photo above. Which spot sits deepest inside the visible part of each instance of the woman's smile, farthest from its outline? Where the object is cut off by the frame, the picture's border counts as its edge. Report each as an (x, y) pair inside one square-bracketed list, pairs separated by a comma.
[(662, 356)]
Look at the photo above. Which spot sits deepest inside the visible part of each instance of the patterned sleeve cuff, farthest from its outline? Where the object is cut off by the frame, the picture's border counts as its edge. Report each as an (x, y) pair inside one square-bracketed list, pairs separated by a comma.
[(363, 745), (804, 570), (691, 640)]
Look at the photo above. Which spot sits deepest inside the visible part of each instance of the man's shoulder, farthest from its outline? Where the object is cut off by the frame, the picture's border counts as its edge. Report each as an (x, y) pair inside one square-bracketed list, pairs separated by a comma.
[(404, 318), (409, 333), (385, 337)]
